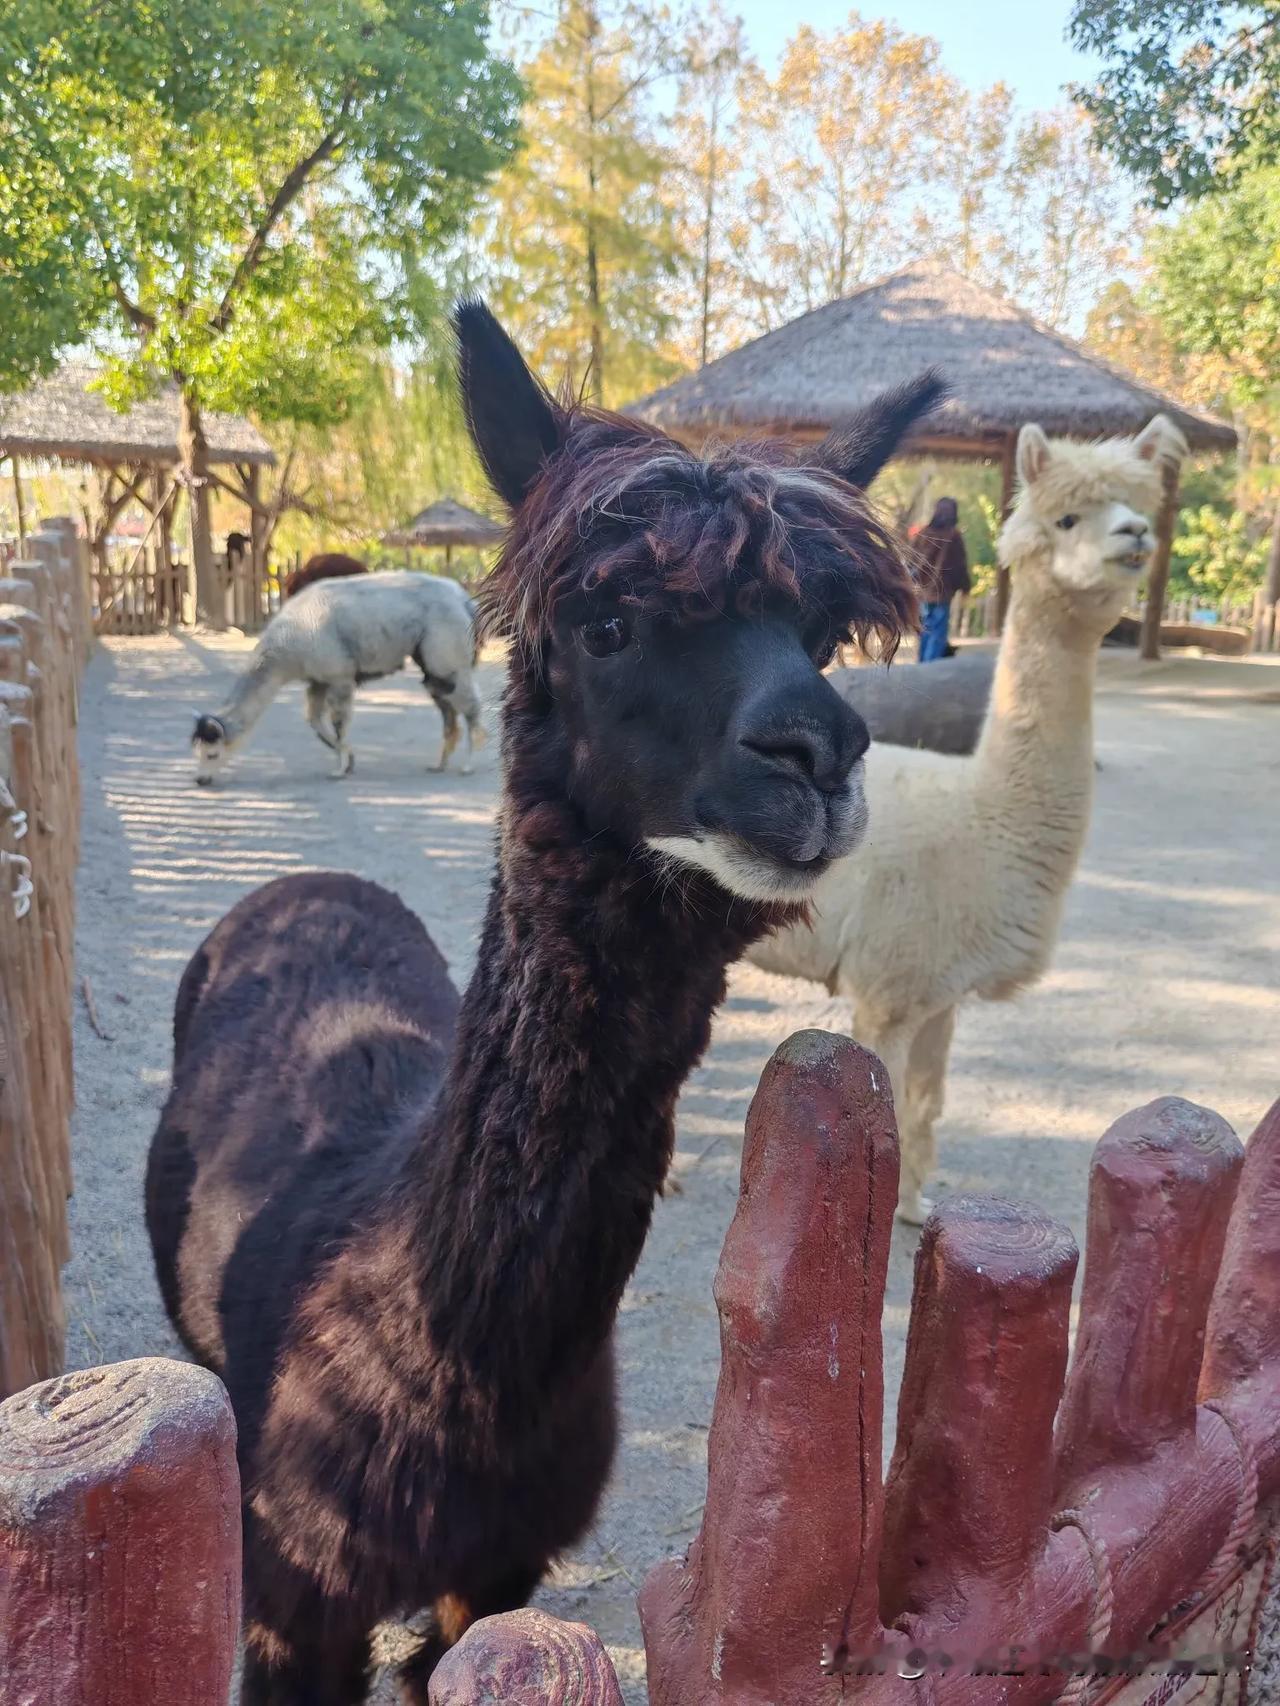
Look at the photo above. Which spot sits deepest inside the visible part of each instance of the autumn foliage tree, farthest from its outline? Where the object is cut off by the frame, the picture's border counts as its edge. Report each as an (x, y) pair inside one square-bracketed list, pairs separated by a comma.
[(578, 246), (235, 195)]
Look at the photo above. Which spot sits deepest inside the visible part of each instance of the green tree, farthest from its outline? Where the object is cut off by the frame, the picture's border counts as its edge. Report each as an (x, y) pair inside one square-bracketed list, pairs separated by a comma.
[(1216, 290), (1188, 88), (239, 196), (579, 244)]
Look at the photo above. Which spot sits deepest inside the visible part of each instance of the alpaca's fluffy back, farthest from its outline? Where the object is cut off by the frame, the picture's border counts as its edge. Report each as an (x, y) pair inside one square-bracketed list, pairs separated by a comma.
[(351, 630)]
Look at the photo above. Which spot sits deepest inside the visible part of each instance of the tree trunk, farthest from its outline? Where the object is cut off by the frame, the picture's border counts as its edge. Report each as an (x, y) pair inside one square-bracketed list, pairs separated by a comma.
[(595, 309), (709, 213), (193, 449), (16, 465), (1008, 466), (1271, 586), (1158, 574)]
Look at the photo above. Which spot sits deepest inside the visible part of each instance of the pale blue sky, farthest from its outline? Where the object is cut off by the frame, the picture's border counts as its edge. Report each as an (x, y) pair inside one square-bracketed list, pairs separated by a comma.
[(1019, 42)]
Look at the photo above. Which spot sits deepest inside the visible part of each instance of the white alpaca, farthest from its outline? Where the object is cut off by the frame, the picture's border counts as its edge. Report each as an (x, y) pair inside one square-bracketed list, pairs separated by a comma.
[(336, 634), (959, 887)]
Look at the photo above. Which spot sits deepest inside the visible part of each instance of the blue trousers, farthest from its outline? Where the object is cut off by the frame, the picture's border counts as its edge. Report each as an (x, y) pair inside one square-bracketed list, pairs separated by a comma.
[(933, 631)]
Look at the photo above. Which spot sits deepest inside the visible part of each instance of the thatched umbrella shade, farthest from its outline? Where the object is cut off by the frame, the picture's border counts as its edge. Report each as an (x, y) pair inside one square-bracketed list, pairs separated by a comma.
[(1003, 368), (447, 523), (62, 419)]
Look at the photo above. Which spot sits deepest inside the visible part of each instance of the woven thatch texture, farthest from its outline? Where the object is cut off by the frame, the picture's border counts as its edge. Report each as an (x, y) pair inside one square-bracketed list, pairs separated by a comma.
[(62, 419), (1003, 369)]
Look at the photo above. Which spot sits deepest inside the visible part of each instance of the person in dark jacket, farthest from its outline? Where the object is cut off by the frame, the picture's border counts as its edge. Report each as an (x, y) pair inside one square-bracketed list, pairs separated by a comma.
[(943, 571)]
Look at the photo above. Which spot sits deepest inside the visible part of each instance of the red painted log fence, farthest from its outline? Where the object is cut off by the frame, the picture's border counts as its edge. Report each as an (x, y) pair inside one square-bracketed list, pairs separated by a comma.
[(1043, 1518), (1038, 1521), (119, 1539)]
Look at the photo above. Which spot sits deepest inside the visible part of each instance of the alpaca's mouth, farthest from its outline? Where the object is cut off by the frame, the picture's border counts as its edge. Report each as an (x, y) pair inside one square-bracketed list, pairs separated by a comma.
[(793, 861)]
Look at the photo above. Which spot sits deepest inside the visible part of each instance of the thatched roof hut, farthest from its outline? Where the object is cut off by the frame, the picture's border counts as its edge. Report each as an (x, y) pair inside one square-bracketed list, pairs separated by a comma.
[(446, 522), (61, 419), (1003, 367)]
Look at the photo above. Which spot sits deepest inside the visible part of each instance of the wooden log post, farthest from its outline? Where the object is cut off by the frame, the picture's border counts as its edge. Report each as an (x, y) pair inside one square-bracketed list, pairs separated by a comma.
[(1008, 473), (969, 1552), (1132, 1447), (526, 1658), (1158, 573), (119, 1539), (1241, 1365), (779, 1590)]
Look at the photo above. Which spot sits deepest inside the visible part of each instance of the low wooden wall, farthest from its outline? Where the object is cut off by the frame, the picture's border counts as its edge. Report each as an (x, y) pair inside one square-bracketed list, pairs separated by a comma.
[(1044, 1531), (45, 638)]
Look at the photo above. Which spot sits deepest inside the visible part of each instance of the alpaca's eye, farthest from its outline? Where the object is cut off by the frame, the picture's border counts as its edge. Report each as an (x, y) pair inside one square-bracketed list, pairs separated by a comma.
[(1067, 522), (605, 637)]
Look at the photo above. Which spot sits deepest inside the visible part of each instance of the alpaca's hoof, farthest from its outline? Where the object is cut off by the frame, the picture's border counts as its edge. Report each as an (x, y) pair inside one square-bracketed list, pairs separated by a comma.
[(467, 770), (343, 771), (914, 1210)]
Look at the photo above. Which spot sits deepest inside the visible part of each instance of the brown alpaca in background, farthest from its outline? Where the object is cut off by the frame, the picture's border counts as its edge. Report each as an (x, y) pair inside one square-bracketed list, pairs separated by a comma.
[(325, 565), (399, 1225)]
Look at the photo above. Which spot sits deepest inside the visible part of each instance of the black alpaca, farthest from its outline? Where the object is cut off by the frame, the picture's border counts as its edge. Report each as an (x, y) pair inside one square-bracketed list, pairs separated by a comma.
[(398, 1225)]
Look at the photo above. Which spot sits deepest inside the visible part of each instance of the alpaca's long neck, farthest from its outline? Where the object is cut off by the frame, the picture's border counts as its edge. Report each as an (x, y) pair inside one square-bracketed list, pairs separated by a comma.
[(252, 693), (591, 1001), (1033, 766)]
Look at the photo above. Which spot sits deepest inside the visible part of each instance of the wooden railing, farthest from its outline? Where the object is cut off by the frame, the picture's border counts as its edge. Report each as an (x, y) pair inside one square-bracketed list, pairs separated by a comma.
[(45, 636)]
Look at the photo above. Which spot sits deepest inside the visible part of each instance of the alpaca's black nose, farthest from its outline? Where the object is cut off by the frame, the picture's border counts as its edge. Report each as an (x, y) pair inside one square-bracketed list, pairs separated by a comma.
[(821, 750)]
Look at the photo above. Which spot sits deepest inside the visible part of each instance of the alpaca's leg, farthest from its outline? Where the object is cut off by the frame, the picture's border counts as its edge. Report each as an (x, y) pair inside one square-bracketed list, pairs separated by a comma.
[(341, 700), (317, 705), (453, 1615), (925, 1090), (891, 1040), (312, 1662), (450, 740)]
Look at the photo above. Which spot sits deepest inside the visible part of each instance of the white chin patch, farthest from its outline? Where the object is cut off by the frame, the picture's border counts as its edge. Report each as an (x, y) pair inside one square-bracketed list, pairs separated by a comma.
[(744, 872)]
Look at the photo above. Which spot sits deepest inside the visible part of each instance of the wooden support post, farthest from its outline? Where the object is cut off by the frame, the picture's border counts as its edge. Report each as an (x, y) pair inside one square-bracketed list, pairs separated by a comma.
[(1008, 469), (1158, 573), (119, 1538), (16, 464), (526, 1658), (783, 1571)]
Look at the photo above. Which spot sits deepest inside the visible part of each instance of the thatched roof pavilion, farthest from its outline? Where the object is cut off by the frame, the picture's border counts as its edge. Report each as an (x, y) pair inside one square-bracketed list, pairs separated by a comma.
[(61, 419), (64, 419), (446, 522), (1003, 368)]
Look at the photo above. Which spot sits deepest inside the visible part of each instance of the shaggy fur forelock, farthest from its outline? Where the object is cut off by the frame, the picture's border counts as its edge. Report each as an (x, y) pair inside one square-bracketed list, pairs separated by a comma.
[(624, 517)]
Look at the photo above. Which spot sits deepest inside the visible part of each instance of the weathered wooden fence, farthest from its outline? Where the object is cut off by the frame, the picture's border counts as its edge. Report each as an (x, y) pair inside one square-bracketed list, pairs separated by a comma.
[(145, 590), (45, 635), (1039, 1526)]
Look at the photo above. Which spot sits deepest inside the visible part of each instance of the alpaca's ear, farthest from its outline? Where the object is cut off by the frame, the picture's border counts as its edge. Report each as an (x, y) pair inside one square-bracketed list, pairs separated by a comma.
[(1033, 453), (514, 422), (858, 448), (1160, 441)]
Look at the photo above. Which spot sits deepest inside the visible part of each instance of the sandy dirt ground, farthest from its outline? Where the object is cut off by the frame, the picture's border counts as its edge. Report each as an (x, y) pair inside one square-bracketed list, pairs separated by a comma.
[(1165, 981)]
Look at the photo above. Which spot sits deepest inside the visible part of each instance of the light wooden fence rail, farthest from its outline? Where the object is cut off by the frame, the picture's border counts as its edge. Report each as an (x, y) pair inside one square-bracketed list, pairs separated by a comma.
[(45, 636)]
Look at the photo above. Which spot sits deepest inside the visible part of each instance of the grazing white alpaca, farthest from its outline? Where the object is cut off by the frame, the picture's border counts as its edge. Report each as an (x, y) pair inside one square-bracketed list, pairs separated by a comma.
[(336, 634), (959, 887)]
